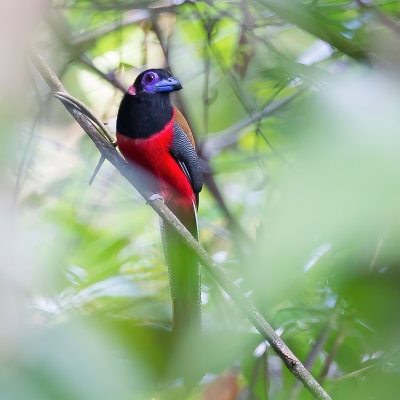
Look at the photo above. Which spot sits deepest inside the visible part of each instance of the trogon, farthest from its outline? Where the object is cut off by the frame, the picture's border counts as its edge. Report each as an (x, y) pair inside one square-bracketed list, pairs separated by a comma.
[(154, 136)]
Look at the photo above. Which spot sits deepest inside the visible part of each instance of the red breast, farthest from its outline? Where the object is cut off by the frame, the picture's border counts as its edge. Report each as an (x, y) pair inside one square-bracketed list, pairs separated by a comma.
[(154, 156)]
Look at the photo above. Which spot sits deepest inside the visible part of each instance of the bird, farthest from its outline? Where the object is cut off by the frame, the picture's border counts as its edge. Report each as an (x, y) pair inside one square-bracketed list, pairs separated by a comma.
[(155, 137)]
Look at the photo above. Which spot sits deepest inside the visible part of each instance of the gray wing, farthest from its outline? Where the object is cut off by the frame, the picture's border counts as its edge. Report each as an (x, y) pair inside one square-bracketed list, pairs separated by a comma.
[(186, 157)]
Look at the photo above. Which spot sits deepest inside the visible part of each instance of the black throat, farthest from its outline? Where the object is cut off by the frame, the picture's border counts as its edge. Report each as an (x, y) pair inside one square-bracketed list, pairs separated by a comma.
[(144, 114)]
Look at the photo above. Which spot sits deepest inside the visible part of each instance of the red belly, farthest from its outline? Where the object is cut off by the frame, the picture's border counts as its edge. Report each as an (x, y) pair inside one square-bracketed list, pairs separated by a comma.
[(165, 175)]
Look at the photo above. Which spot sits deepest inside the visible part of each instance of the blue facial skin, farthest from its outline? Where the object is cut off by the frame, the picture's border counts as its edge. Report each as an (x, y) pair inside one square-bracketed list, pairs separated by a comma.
[(152, 83)]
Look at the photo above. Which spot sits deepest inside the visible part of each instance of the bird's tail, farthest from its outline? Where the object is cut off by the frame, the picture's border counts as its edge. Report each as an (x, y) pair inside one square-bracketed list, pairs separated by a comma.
[(184, 276)]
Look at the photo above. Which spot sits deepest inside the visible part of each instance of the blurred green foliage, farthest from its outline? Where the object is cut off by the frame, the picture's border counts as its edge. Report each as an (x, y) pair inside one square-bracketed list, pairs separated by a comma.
[(295, 107)]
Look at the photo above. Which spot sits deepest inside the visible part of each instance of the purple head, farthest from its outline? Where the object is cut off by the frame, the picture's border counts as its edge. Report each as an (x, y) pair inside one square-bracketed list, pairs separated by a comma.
[(154, 81)]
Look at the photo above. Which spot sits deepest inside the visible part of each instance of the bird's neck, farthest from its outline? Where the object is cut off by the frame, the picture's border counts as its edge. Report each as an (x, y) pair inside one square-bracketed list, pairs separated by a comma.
[(143, 115)]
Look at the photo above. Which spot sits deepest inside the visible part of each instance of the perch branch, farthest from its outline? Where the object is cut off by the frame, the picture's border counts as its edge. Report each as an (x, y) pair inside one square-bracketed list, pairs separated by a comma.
[(215, 270)]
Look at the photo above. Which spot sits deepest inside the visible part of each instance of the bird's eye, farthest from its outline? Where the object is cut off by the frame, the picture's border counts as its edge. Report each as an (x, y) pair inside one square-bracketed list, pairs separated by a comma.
[(149, 78)]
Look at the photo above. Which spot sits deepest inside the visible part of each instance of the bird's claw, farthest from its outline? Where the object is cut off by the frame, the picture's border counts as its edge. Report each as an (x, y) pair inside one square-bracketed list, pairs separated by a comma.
[(153, 197)]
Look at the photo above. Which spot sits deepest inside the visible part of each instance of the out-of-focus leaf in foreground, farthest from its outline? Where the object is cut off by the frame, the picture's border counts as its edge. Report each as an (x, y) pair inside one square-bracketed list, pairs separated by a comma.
[(333, 221)]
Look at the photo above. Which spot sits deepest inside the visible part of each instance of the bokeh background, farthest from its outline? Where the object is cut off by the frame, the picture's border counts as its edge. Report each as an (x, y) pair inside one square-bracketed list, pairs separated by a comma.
[(295, 106)]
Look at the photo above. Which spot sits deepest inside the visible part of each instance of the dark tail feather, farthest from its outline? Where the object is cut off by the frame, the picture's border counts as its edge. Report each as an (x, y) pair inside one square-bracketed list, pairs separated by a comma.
[(184, 277)]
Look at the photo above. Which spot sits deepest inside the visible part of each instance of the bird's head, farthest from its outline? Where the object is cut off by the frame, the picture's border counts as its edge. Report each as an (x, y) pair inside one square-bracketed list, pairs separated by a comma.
[(154, 81), (146, 107)]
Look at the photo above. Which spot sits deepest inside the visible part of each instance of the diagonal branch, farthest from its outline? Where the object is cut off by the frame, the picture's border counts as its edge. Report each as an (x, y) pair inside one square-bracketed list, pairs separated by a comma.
[(215, 270), (217, 141)]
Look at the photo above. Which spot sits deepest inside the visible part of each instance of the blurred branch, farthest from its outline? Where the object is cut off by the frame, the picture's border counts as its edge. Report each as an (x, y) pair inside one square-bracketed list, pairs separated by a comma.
[(315, 23), (245, 50), (206, 94), (163, 42), (314, 352), (331, 356), (60, 27), (136, 5), (227, 137), (376, 254), (124, 6), (388, 22), (109, 77), (354, 373), (260, 368), (215, 270), (27, 148), (79, 42), (265, 374), (235, 84), (88, 38)]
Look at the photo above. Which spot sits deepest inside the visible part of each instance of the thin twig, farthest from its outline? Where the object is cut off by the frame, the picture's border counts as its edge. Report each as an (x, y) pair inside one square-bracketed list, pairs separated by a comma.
[(376, 254), (331, 356), (354, 373), (97, 169), (215, 270), (314, 352), (235, 85), (227, 137), (27, 148), (129, 5), (89, 38), (207, 68), (260, 368), (109, 77)]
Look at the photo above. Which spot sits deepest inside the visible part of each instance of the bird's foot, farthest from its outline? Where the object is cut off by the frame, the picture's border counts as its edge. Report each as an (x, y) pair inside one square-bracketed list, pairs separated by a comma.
[(155, 196)]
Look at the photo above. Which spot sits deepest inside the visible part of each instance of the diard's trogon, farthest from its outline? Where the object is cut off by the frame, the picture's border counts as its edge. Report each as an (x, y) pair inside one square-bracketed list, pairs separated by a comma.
[(155, 137)]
